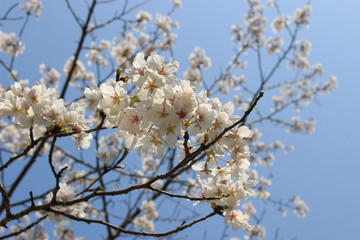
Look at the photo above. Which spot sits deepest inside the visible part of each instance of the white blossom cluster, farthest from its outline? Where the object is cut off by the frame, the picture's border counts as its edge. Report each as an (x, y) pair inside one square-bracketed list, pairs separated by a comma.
[(32, 7), (262, 153), (229, 184), (64, 194), (79, 73), (142, 17), (146, 221), (279, 23), (165, 24), (301, 208), (255, 24), (273, 45), (65, 232), (10, 44), (97, 54), (160, 111), (50, 76), (123, 50), (301, 16), (304, 91), (230, 83), (109, 148), (40, 106), (177, 3), (198, 60)]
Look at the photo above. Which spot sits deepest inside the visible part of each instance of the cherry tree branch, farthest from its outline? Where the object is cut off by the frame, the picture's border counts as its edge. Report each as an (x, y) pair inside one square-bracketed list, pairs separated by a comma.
[(30, 226), (78, 50), (122, 230)]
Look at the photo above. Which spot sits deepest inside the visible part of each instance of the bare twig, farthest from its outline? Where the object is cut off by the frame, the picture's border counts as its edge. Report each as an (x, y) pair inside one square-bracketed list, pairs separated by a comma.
[(77, 19), (5, 17)]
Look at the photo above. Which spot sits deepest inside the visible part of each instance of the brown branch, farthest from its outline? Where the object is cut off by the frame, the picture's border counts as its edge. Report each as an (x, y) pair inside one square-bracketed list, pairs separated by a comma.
[(122, 230), (6, 201), (44, 138), (32, 199), (26, 150), (9, 70), (75, 159), (24, 229), (28, 210), (78, 50), (77, 19), (23, 172), (8, 11), (50, 161), (278, 110), (105, 171), (186, 148), (185, 196), (12, 61)]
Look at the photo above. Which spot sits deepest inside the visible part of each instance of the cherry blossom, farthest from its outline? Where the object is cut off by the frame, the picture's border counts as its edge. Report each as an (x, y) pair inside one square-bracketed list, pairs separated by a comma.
[(127, 98)]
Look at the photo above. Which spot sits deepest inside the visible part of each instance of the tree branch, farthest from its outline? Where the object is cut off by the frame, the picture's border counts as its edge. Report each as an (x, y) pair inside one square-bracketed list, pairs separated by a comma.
[(122, 230), (77, 53)]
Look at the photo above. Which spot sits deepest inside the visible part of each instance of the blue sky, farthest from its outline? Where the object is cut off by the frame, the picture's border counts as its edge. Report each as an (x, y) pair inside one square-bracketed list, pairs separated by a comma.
[(324, 167)]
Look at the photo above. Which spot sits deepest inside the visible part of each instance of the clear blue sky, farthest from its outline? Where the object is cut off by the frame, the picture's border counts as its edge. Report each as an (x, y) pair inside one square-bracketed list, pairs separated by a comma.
[(324, 167)]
